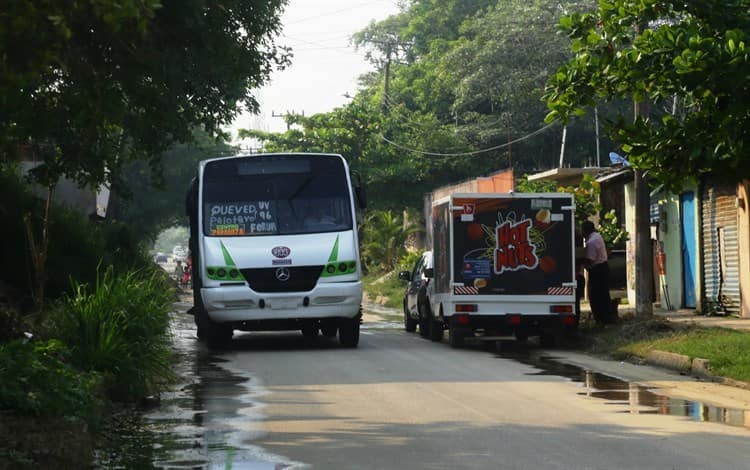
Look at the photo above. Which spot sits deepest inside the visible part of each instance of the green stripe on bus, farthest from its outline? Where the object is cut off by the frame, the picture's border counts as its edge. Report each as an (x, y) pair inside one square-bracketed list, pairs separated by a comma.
[(227, 258), (335, 251)]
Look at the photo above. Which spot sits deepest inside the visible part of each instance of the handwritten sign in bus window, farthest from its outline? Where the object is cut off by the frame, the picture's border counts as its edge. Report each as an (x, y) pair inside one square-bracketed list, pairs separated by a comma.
[(241, 218)]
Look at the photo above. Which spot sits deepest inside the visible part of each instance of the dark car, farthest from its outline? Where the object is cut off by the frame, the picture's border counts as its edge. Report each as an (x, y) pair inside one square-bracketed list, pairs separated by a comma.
[(416, 296)]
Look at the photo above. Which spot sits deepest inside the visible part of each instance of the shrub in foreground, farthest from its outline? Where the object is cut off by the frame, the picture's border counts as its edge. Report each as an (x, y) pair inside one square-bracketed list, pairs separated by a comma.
[(36, 378), (120, 329)]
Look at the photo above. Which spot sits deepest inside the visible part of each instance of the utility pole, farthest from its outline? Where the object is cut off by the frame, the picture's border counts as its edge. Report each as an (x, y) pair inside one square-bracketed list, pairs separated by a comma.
[(286, 115), (508, 126), (644, 270), (387, 72), (596, 125)]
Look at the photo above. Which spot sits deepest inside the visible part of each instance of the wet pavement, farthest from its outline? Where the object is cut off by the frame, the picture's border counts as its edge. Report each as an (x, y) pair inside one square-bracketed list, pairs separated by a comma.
[(213, 418), (637, 399), (209, 421)]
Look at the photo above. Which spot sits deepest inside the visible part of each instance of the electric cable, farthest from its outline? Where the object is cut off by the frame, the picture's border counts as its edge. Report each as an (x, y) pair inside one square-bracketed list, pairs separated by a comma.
[(475, 152)]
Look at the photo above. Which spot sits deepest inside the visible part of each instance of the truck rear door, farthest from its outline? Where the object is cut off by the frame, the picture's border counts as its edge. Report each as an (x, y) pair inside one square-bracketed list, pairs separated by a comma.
[(514, 244)]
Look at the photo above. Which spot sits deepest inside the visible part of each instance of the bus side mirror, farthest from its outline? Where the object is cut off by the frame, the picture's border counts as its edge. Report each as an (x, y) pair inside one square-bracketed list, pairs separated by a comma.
[(429, 273)]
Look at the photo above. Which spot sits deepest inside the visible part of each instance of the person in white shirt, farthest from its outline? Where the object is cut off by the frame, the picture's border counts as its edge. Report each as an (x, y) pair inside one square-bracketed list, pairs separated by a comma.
[(595, 261)]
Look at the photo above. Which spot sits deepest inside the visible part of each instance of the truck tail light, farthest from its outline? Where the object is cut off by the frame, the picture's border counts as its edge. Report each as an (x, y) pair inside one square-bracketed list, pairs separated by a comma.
[(569, 320), (561, 309), (466, 307)]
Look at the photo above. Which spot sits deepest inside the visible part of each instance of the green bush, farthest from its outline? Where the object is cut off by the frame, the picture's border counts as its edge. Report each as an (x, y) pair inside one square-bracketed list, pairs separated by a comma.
[(36, 378), (120, 328), (383, 240)]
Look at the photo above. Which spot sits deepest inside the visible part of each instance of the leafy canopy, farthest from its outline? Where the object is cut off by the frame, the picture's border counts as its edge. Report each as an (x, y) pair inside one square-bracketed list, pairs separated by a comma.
[(92, 84), (690, 58)]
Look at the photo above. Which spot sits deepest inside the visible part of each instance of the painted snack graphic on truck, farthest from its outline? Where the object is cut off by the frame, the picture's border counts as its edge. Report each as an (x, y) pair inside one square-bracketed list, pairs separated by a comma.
[(514, 249), (512, 246)]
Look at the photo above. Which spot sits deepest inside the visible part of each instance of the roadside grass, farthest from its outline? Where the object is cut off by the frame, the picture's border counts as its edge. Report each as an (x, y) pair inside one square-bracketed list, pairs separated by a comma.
[(725, 349), (385, 288)]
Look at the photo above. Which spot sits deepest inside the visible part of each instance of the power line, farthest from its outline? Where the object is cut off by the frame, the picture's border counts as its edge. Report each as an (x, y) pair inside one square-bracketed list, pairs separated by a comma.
[(334, 12), (475, 152)]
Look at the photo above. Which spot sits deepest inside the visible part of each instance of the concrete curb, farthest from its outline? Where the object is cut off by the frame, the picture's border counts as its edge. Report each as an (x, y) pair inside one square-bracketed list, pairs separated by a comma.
[(669, 360), (685, 365)]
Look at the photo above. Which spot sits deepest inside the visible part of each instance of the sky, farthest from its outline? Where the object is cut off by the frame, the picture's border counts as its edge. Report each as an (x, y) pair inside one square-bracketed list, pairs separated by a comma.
[(324, 67)]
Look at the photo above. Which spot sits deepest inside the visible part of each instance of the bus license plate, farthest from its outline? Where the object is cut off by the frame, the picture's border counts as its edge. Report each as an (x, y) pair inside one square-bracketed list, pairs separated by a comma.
[(283, 304)]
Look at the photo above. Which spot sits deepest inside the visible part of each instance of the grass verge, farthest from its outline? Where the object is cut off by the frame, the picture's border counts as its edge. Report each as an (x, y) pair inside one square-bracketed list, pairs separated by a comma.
[(725, 349), (386, 289)]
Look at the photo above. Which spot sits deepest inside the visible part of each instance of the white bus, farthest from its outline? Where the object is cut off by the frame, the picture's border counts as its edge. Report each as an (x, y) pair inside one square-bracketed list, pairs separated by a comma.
[(275, 246)]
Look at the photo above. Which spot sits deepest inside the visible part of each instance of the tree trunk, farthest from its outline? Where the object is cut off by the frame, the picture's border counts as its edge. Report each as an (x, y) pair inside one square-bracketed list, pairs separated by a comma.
[(38, 249)]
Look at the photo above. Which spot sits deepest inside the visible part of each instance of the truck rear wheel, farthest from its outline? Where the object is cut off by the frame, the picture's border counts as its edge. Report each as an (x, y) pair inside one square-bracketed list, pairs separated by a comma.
[(349, 332)]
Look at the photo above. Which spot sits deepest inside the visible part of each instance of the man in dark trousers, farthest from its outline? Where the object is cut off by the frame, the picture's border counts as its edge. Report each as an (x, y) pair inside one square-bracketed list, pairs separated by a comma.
[(595, 261)]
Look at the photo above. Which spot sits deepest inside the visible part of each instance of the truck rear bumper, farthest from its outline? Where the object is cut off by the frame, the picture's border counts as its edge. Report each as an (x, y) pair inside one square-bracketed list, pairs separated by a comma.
[(230, 304), (511, 324)]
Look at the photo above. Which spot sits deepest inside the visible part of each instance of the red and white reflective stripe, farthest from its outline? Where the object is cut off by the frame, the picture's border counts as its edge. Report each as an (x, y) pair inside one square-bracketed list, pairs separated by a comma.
[(559, 291), (465, 290)]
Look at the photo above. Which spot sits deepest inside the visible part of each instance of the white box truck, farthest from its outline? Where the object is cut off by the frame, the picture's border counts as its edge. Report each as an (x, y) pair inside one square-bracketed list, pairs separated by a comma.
[(504, 265)]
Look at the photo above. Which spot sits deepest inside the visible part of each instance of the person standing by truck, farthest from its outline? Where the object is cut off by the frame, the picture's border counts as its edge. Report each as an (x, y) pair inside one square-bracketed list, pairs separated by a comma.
[(596, 262)]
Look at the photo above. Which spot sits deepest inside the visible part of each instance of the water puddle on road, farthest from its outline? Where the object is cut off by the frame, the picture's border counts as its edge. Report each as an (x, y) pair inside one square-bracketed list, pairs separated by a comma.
[(634, 398), (207, 422)]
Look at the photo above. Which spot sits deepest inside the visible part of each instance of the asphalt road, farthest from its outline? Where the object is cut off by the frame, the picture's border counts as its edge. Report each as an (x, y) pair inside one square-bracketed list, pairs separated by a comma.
[(399, 401)]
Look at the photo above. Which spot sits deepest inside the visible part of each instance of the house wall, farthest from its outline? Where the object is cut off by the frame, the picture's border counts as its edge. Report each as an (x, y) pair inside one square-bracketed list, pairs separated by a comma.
[(671, 238), (698, 252), (630, 246), (68, 193), (721, 254), (743, 225)]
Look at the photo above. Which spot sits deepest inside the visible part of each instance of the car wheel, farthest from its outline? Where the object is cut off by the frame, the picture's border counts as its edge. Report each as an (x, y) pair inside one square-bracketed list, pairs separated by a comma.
[(410, 325), (424, 328)]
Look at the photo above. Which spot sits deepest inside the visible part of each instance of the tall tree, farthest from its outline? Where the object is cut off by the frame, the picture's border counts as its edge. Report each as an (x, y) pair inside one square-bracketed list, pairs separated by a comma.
[(690, 58), (87, 86)]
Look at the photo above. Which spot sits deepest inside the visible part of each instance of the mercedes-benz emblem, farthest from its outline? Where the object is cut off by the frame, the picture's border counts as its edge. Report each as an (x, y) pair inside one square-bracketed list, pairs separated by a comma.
[(283, 274)]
